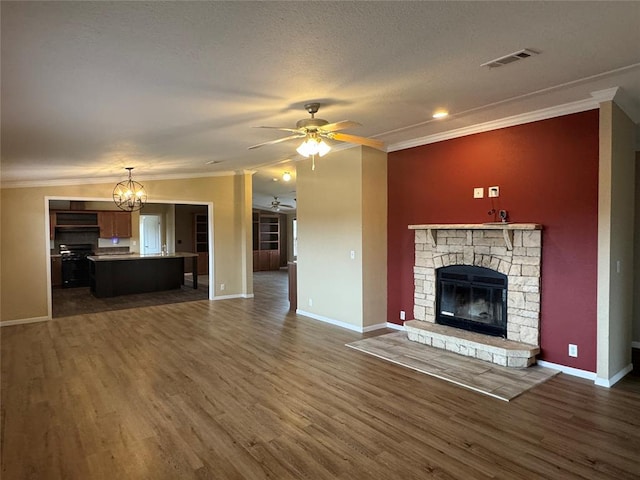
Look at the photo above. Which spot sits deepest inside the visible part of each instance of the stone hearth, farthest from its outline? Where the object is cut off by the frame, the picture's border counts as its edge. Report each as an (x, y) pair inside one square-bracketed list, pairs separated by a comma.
[(514, 250)]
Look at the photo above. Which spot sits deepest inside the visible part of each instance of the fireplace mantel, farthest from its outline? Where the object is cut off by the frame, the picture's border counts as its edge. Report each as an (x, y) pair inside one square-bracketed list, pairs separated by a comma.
[(506, 227), (477, 226)]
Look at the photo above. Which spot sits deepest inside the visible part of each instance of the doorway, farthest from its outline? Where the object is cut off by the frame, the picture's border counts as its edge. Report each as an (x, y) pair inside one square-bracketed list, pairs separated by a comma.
[(150, 234)]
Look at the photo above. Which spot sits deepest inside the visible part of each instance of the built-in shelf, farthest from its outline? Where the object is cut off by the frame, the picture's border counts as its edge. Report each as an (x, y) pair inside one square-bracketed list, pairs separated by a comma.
[(267, 241)]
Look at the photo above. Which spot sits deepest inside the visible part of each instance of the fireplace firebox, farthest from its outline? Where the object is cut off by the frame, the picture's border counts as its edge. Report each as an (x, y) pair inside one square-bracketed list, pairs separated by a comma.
[(472, 298)]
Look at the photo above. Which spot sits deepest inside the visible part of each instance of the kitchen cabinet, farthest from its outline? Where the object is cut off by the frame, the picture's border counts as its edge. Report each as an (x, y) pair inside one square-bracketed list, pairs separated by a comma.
[(113, 275), (56, 271), (114, 224)]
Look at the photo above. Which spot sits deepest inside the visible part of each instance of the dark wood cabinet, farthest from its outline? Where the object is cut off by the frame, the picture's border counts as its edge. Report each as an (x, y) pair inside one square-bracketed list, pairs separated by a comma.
[(56, 271), (114, 224), (52, 225), (201, 241), (110, 278), (266, 241)]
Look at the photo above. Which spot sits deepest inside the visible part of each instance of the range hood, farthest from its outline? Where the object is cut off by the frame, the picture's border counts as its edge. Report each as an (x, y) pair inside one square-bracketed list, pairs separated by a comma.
[(78, 228)]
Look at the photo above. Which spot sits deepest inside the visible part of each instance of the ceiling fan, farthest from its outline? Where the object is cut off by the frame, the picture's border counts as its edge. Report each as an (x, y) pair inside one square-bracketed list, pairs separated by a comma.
[(314, 130), (276, 204)]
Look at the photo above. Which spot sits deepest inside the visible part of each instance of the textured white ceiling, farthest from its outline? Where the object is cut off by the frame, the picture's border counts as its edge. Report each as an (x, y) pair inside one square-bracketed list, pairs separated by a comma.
[(89, 88)]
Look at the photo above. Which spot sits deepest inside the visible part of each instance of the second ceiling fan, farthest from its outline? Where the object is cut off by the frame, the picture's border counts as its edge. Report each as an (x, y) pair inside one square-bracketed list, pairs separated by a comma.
[(315, 130)]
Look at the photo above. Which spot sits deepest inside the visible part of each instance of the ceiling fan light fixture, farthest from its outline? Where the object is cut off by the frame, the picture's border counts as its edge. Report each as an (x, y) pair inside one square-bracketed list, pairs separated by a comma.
[(286, 176), (313, 146)]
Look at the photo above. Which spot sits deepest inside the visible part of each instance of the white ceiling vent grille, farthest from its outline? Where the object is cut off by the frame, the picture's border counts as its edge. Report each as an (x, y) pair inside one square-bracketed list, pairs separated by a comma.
[(512, 57)]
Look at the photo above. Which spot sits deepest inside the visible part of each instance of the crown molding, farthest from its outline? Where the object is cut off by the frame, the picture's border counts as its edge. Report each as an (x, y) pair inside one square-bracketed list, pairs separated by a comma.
[(102, 180), (578, 106)]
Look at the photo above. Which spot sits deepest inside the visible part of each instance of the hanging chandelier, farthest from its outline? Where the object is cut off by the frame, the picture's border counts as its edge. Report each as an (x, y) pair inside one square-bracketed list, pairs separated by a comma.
[(129, 195)]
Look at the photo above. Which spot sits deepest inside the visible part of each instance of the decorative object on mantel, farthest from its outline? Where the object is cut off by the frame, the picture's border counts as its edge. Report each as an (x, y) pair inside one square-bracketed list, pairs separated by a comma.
[(129, 195)]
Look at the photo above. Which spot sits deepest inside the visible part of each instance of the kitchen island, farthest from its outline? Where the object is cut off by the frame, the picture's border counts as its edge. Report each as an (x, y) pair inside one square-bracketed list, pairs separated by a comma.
[(123, 274)]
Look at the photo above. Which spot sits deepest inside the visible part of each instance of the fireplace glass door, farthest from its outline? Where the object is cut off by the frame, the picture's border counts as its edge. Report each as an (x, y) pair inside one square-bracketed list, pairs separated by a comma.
[(472, 298)]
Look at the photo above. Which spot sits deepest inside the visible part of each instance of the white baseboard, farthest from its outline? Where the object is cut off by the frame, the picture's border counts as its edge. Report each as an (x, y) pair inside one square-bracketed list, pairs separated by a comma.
[(372, 328), (610, 382), (8, 323), (331, 321), (601, 382), (395, 326), (635, 345), (575, 372), (237, 295)]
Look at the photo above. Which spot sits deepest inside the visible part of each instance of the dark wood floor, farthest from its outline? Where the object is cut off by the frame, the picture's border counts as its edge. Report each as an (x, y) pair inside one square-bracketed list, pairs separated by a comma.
[(79, 300), (245, 389)]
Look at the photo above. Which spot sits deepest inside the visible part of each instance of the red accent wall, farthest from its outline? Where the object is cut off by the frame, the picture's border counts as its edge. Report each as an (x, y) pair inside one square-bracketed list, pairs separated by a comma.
[(547, 172)]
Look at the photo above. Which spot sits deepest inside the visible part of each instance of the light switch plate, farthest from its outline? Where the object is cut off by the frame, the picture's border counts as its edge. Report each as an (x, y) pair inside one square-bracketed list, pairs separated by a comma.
[(478, 192)]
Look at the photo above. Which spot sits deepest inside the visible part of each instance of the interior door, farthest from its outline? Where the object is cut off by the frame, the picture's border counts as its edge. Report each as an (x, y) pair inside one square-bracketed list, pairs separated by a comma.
[(150, 239)]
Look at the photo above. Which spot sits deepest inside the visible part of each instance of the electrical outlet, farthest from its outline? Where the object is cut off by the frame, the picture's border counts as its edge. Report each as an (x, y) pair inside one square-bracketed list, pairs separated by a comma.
[(573, 350), (310, 303), (402, 315), (222, 287), (478, 192), (494, 192), (353, 254)]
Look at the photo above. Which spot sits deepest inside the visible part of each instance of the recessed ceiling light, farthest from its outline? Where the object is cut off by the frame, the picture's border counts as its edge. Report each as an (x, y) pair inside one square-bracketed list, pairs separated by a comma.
[(440, 114)]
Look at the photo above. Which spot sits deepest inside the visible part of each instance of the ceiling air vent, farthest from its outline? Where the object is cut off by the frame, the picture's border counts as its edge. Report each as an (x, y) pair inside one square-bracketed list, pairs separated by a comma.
[(512, 57)]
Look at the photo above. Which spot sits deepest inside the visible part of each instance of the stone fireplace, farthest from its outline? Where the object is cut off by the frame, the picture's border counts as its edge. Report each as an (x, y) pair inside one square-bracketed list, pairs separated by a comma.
[(474, 283)]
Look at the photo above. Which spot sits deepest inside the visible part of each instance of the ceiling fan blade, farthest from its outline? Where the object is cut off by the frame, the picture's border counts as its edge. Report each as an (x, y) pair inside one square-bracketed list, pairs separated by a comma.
[(284, 129), (273, 142), (341, 125), (286, 206), (369, 142)]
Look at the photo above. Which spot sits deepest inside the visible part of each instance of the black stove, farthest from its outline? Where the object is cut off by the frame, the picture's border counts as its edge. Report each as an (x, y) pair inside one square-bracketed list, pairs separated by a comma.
[(75, 265)]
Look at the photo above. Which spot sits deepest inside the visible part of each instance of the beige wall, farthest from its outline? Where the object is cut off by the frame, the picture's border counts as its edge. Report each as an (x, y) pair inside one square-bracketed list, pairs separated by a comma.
[(24, 239), (332, 223), (374, 236), (616, 186)]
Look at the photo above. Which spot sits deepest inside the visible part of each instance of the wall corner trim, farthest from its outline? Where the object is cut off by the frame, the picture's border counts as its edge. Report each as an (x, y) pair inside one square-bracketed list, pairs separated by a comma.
[(610, 382)]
